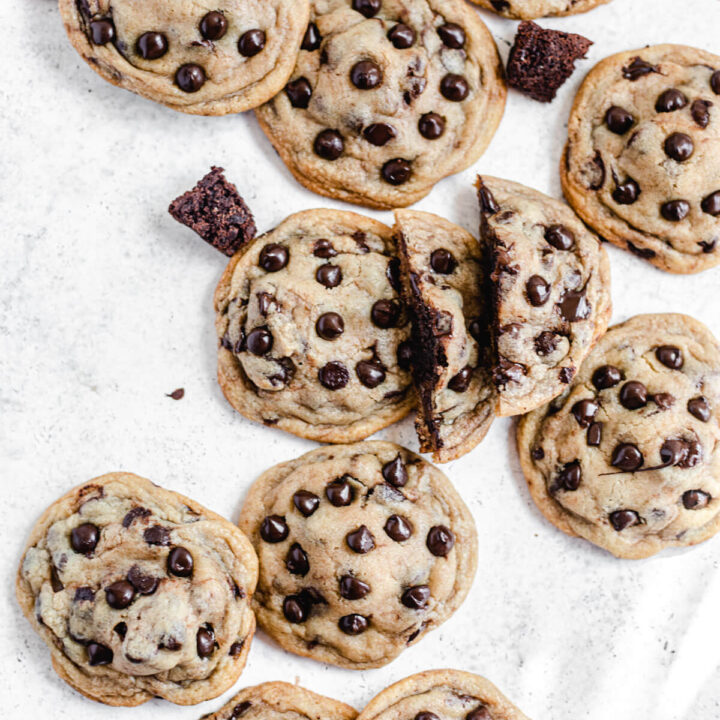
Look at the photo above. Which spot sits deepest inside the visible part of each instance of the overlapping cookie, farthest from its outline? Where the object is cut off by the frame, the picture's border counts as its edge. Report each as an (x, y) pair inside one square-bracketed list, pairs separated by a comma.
[(641, 162), (190, 56), (387, 98), (139, 592), (628, 457), (363, 550), (531, 9)]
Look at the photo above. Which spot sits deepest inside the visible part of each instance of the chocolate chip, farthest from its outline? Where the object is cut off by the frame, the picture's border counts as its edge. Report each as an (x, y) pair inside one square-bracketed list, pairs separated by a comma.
[(334, 376), (385, 314), (398, 528), (259, 341), (546, 343), (274, 529), (296, 560), (392, 273), (479, 713), (85, 594), (695, 499), (461, 382), (715, 82), (404, 355), (711, 204), (84, 538), (700, 111), (121, 629), (570, 476), (538, 290), (330, 325), (627, 457), (144, 584), (371, 373), (396, 171), (454, 87), (353, 589), (251, 42), (102, 31), (295, 609), (205, 642), (240, 709), (99, 654), (675, 210), (664, 401), (606, 376), (573, 305), (311, 39), (670, 356), (395, 472), (273, 257), (594, 434), (402, 36), (431, 126), (306, 502), (622, 519), (626, 193), (135, 513), (214, 25), (353, 624), (440, 540), (537, 453), (637, 69), (361, 540), (700, 408), (366, 75), (340, 492), (120, 594), (157, 535), (442, 261), (633, 395), (329, 275), (416, 598), (180, 562), (329, 144), (618, 120), (426, 716), (235, 650), (153, 45), (560, 237), (566, 374), (507, 371), (452, 35), (670, 100), (299, 92), (368, 8), (585, 411), (190, 78), (379, 134), (324, 249), (679, 146)]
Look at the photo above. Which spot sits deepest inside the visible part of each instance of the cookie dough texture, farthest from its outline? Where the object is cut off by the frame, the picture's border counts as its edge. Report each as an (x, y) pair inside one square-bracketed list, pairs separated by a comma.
[(442, 268), (168, 52), (549, 291), (426, 103), (640, 164), (628, 456), (531, 9), (281, 701), (363, 549), (447, 694), (139, 592), (310, 325)]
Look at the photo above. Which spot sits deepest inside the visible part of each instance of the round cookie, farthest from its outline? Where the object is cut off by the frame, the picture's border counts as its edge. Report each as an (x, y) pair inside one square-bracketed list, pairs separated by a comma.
[(313, 334), (628, 457), (363, 549), (531, 9), (190, 56), (139, 592), (446, 694), (388, 97), (640, 164), (281, 701)]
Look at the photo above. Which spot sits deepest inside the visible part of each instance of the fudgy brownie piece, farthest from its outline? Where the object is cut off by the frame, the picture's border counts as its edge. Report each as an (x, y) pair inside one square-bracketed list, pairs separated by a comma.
[(541, 60), (216, 212)]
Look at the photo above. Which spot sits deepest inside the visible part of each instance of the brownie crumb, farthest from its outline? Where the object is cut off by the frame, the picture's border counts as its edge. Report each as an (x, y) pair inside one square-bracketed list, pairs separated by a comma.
[(178, 394), (216, 212), (542, 60)]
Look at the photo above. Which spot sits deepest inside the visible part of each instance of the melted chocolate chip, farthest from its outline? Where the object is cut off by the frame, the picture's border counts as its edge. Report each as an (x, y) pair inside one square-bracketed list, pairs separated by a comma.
[(431, 126), (566, 374), (134, 514), (711, 204), (479, 713), (398, 528), (487, 201), (585, 411), (715, 82), (240, 709), (638, 68), (699, 408), (664, 401), (214, 25), (99, 654), (679, 146), (461, 382), (606, 376), (402, 36), (273, 257), (546, 343), (404, 355), (670, 356), (574, 306), (157, 535), (366, 75), (340, 492), (560, 237), (618, 120), (205, 642), (454, 87), (190, 78), (274, 529), (84, 538), (120, 594), (334, 376), (385, 314), (442, 261), (102, 31), (353, 624), (700, 111), (361, 540), (633, 395), (368, 8), (594, 434), (452, 35), (299, 92), (626, 193), (329, 144), (416, 598), (371, 373), (670, 100), (426, 716), (621, 519), (330, 326), (311, 39), (306, 502), (627, 457), (379, 134), (296, 560), (570, 476), (538, 290), (143, 583), (440, 540), (251, 43), (324, 249), (396, 171), (695, 499)]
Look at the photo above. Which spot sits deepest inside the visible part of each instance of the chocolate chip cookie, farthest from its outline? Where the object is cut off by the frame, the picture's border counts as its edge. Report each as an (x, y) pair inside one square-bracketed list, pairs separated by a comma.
[(187, 55), (387, 98), (531, 9), (363, 549), (139, 592), (549, 289), (313, 334), (628, 457), (641, 162), (442, 270), (281, 701), (446, 694)]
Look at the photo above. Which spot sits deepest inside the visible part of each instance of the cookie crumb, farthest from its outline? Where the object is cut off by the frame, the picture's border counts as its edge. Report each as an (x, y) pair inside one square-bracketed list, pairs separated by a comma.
[(541, 60), (178, 394), (216, 212)]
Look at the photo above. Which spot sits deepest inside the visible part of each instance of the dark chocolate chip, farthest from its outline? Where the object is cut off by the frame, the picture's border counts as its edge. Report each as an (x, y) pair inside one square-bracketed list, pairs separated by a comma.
[(180, 562), (546, 342), (296, 560), (538, 290), (700, 111), (675, 210), (679, 146), (251, 42), (670, 356), (273, 257), (153, 45), (214, 25), (296, 609), (368, 8), (622, 519), (340, 492), (426, 716), (416, 598), (371, 373), (379, 134), (205, 642), (670, 100), (585, 411), (274, 529), (404, 355), (618, 120), (633, 395), (695, 499), (606, 376), (638, 68), (440, 540), (700, 408), (299, 92), (84, 538), (330, 325), (235, 650), (570, 476), (190, 78), (396, 171), (99, 654), (157, 535), (566, 374), (329, 144), (431, 126), (594, 434), (135, 513), (392, 273), (306, 502), (560, 237), (334, 376), (645, 253), (454, 87), (240, 709), (402, 36), (487, 201), (385, 313), (461, 382), (479, 713), (442, 261), (574, 306), (366, 75), (537, 453), (395, 472), (353, 589), (361, 540), (353, 624), (102, 31), (398, 528), (627, 457), (626, 193), (121, 629), (664, 401), (259, 341), (144, 584), (120, 594), (711, 204), (715, 82), (311, 39), (324, 249), (452, 35), (86, 594), (329, 275)]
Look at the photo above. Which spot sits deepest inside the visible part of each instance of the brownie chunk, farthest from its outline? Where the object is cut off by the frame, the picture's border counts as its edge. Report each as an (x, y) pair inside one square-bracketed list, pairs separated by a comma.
[(216, 212), (542, 60)]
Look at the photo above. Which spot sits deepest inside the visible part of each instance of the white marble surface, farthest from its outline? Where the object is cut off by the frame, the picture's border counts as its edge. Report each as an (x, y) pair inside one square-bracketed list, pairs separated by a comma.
[(106, 306)]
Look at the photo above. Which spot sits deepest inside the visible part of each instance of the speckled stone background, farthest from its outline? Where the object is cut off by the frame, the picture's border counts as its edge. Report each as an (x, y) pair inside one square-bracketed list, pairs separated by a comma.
[(106, 307)]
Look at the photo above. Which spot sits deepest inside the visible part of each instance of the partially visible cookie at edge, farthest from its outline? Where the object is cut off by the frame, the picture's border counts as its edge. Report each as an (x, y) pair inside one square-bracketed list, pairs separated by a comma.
[(363, 549), (532, 9), (640, 164), (442, 270), (628, 457)]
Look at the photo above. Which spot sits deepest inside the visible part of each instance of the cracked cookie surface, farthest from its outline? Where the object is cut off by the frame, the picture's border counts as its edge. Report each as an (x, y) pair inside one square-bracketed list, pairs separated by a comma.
[(640, 165), (363, 549), (442, 271), (629, 456), (187, 54), (387, 98), (313, 334), (139, 592), (531, 9), (549, 280), (447, 694)]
